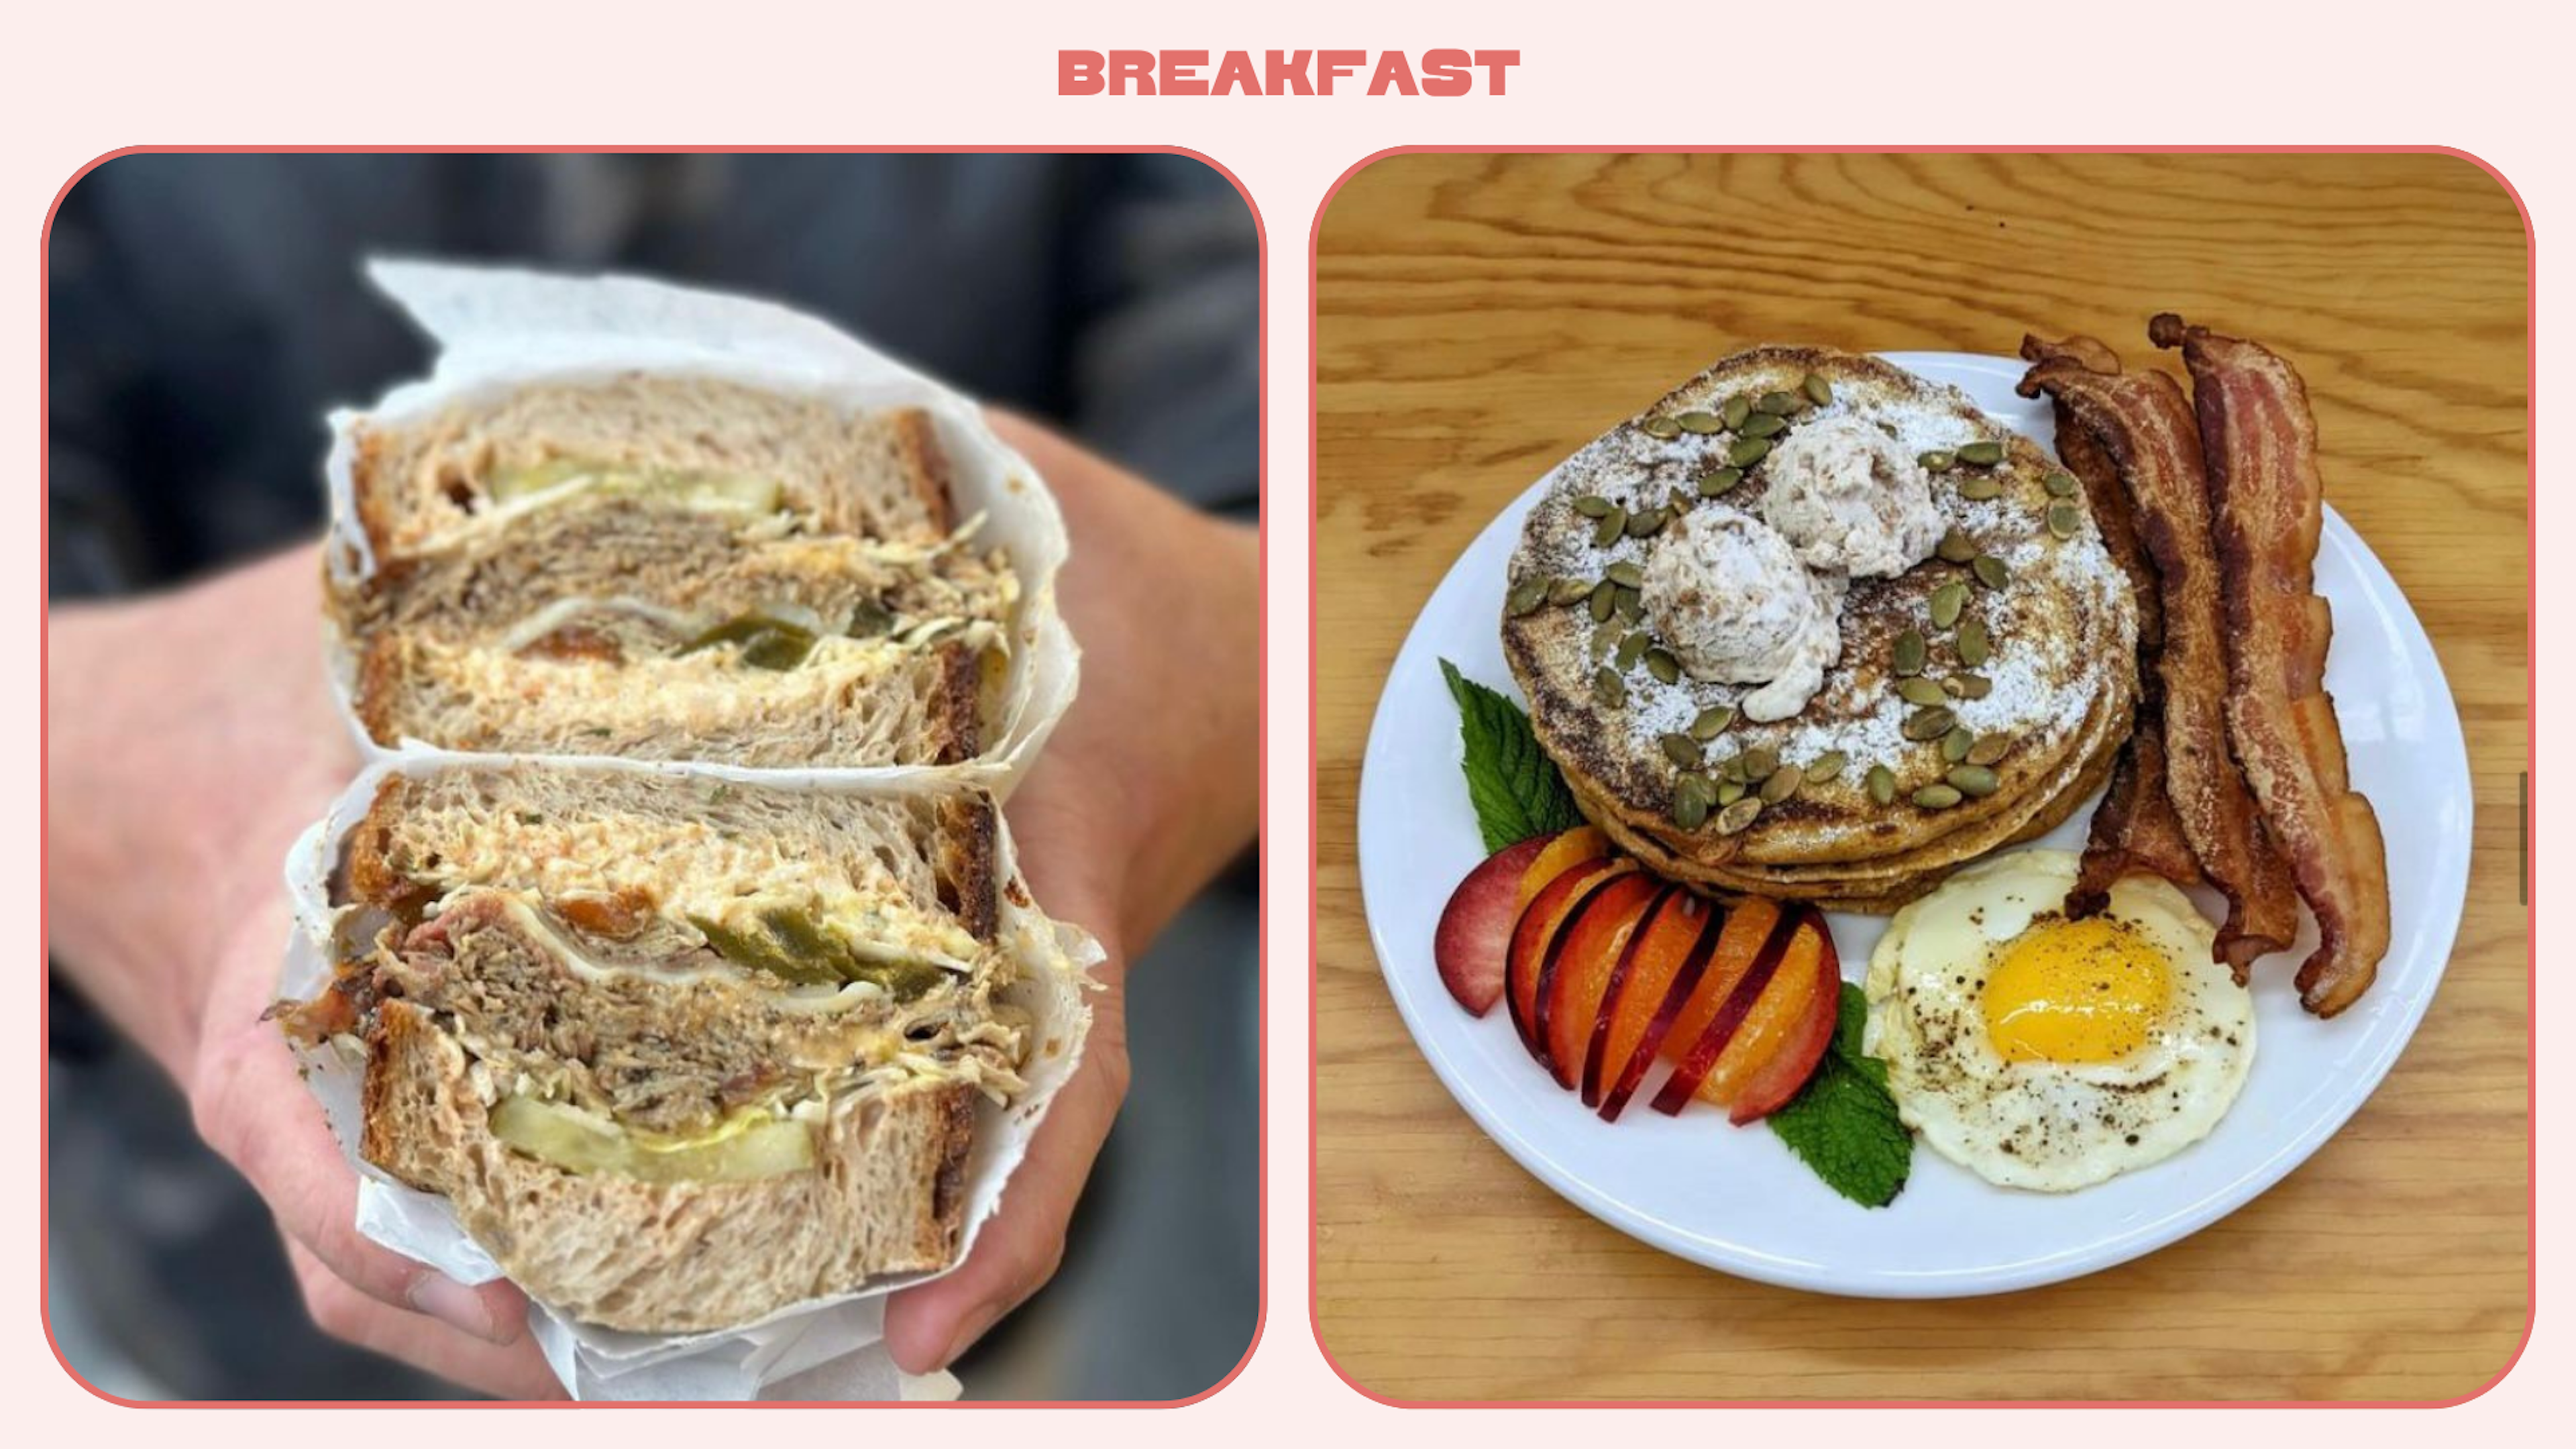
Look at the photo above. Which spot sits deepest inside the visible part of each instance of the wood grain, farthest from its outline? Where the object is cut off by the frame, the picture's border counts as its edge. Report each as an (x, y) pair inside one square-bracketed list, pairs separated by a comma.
[(1480, 317)]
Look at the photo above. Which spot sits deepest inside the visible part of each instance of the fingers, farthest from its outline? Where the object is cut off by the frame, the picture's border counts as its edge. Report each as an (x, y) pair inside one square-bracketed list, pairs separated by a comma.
[(252, 1108), (515, 1371), (929, 1326)]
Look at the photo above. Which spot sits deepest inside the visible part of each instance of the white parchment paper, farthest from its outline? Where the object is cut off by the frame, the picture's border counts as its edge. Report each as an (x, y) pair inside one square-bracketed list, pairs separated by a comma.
[(498, 330), (827, 1349)]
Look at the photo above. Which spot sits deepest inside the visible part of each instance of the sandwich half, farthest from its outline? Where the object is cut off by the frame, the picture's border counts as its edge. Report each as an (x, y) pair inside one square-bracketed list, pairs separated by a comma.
[(668, 567), (679, 1052)]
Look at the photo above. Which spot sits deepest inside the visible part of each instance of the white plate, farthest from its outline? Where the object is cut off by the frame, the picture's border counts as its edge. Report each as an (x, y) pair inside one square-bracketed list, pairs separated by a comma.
[(1734, 1198)]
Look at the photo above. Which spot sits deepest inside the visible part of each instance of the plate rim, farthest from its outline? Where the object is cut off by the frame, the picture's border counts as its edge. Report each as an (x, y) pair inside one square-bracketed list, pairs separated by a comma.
[(2115, 1247)]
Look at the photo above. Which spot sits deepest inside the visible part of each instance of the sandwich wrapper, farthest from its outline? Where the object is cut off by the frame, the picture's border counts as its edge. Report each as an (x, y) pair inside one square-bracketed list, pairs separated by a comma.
[(498, 330), (828, 1349)]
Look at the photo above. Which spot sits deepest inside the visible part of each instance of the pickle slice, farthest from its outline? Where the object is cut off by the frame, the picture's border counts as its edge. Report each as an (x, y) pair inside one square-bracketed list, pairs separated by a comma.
[(766, 643), (762, 950), (688, 488), (794, 946), (741, 1148), (902, 980)]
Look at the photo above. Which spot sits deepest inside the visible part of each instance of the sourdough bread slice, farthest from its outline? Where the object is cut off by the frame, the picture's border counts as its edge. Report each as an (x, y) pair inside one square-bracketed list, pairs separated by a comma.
[(630, 952), (878, 474), (886, 1195)]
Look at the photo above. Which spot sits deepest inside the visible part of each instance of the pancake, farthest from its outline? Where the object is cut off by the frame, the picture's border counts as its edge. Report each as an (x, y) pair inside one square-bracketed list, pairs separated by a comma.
[(2056, 690)]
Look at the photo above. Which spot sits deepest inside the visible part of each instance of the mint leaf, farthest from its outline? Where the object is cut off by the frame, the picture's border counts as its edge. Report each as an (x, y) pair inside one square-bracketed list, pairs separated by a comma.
[(1843, 1123), (1514, 786)]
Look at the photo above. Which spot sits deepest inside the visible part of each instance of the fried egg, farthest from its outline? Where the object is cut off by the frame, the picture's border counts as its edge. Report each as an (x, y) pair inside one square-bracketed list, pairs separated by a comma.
[(2052, 1054)]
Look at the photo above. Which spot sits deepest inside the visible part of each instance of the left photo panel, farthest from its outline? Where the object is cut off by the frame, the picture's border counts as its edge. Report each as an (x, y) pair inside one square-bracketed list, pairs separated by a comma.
[(614, 826)]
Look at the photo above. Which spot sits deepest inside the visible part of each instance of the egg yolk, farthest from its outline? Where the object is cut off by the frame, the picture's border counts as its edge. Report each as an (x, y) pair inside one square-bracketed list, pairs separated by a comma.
[(2075, 991)]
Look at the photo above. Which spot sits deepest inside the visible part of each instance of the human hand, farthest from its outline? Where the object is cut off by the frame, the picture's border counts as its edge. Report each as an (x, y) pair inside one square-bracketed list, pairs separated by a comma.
[(1148, 787), (190, 738)]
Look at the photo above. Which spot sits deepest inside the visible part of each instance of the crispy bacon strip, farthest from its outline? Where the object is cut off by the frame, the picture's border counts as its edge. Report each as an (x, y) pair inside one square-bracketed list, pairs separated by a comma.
[(2145, 424), (2134, 830), (2261, 443)]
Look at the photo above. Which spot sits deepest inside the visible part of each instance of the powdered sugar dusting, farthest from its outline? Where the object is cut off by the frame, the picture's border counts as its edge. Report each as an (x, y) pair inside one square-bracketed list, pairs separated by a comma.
[(2060, 625)]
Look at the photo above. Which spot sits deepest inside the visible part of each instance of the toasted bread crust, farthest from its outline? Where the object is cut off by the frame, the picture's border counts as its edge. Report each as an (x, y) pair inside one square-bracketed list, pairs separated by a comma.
[(373, 878), (956, 724), (970, 867), (378, 687), (374, 501), (925, 466)]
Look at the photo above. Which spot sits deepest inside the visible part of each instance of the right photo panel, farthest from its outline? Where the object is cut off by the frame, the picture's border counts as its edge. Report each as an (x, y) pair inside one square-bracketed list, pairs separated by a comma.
[(1921, 764)]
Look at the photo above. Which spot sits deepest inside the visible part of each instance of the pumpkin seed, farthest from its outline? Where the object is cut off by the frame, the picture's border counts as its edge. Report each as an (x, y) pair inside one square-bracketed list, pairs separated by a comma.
[(1980, 487), (1829, 764), (1625, 573), (1939, 460), (1989, 748), (1729, 791), (1984, 453), (1745, 452), (1736, 410), (1955, 547), (1927, 724), (1646, 524), (1954, 745), (1782, 783), (1882, 784), (2060, 485), (1731, 769), (1777, 404), (1612, 524), (1691, 799), (1950, 686), (1604, 595), (1990, 571), (1593, 505), (1765, 425), (1676, 502), (1712, 722), (1919, 690), (1974, 645), (1738, 815), (1609, 689), (1661, 428), (1936, 797), (1713, 484), (1526, 596), (1909, 652), (1569, 591), (1696, 421), (1631, 649), (1682, 750), (1974, 781), (1818, 391), (1630, 604), (1661, 664), (2064, 519), (1972, 686), (1947, 601), (1759, 762)]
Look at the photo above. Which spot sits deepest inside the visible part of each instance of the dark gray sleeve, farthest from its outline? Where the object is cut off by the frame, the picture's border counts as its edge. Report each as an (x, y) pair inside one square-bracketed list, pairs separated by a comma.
[(1165, 355)]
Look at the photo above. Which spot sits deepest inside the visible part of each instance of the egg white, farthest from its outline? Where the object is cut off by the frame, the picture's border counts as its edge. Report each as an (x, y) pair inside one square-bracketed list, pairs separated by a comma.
[(2050, 1126)]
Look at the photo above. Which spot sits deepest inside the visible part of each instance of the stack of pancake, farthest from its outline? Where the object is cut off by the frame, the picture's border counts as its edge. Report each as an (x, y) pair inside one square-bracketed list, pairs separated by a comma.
[(1980, 696)]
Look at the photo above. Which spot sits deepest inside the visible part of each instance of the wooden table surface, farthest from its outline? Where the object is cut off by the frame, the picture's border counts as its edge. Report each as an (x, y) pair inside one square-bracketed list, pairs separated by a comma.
[(1478, 318)]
